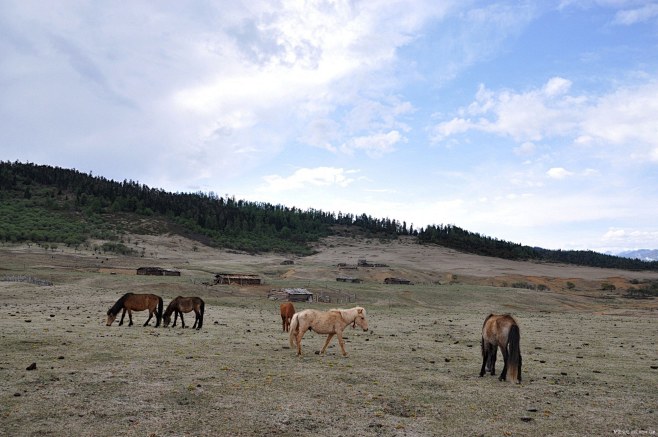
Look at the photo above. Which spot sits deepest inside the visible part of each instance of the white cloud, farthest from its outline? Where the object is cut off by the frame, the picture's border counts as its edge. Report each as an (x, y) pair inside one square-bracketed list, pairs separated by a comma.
[(301, 178), (558, 173), (556, 86), (631, 238), (374, 145), (637, 15), (623, 120), (527, 148)]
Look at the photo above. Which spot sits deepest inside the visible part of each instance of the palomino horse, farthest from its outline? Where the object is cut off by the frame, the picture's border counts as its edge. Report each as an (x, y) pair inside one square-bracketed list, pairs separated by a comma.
[(136, 302), (287, 311), (501, 331), (182, 305), (331, 322)]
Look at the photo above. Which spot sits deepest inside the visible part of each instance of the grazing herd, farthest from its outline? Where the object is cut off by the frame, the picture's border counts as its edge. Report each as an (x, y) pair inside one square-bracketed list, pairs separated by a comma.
[(139, 302), (498, 331)]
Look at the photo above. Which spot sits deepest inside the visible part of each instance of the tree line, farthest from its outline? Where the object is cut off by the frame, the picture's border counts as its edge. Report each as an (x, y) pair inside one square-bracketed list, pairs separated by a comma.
[(41, 203)]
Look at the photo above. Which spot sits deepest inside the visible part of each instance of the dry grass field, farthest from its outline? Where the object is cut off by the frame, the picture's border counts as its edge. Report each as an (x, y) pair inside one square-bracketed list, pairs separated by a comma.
[(590, 360)]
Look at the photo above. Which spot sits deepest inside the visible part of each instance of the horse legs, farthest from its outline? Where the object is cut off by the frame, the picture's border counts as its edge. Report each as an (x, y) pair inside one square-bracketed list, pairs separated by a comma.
[(130, 317), (149, 319), (503, 374), (182, 321), (486, 355), (175, 318), (341, 342), (284, 323), (123, 314), (298, 340), (491, 359), (199, 315), (198, 320), (326, 343)]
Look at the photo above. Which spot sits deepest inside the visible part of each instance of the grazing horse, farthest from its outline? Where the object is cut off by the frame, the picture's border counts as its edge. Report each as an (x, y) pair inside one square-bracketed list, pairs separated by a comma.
[(501, 331), (136, 302), (331, 322), (182, 305), (287, 311)]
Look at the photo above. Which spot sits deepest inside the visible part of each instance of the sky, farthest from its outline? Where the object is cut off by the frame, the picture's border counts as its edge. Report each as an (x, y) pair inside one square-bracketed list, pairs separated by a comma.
[(534, 122)]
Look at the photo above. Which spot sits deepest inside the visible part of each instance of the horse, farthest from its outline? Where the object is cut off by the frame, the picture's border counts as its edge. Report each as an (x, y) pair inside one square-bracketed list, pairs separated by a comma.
[(136, 302), (501, 331), (331, 322), (287, 311), (181, 305)]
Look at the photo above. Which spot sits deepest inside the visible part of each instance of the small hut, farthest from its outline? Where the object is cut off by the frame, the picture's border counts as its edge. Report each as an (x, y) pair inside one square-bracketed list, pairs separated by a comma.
[(237, 278), (397, 281), (298, 295), (157, 271), (348, 279)]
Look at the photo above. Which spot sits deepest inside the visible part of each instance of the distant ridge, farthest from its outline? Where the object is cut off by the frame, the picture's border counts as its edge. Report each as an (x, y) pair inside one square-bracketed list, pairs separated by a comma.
[(641, 254)]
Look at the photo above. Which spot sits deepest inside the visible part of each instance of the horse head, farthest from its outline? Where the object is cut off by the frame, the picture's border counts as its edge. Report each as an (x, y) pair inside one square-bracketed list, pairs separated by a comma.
[(165, 320), (360, 319), (110, 318)]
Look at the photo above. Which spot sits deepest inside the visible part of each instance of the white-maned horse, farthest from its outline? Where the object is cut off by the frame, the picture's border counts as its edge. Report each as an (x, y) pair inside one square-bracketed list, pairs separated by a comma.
[(331, 322)]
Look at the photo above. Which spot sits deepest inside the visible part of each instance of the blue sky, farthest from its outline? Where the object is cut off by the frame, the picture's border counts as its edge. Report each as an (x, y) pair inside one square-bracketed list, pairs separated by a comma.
[(534, 122)]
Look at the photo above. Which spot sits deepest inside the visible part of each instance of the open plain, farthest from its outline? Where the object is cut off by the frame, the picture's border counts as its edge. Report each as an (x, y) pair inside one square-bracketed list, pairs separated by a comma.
[(590, 360)]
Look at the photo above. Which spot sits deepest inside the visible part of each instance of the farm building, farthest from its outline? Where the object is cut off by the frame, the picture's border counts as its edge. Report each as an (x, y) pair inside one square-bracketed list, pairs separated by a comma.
[(397, 281), (157, 271), (348, 279), (291, 295), (236, 278), (346, 266), (365, 263)]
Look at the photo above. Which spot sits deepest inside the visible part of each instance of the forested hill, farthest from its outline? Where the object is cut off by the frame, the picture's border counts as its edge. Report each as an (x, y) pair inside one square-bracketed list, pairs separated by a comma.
[(48, 205)]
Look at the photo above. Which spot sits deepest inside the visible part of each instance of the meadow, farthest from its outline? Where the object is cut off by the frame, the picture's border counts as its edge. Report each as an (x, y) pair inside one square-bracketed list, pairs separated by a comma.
[(590, 361)]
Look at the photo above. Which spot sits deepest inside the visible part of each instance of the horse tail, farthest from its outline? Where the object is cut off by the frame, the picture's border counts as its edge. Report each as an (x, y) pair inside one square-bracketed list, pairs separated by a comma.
[(514, 351), (294, 327), (158, 315)]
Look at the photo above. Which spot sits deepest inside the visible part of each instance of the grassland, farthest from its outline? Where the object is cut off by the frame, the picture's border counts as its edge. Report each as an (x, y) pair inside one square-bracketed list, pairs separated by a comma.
[(590, 355)]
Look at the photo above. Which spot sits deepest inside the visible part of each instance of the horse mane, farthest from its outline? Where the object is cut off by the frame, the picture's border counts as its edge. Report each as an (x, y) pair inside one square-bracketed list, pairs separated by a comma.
[(114, 310), (170, 307)]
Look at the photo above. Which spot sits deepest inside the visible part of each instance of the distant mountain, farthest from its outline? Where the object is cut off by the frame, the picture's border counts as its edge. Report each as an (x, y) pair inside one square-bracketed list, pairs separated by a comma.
[(642, 254)]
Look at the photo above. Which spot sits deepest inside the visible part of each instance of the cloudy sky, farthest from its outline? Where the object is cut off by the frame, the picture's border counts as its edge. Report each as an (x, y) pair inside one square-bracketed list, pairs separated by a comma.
[(534, 122)]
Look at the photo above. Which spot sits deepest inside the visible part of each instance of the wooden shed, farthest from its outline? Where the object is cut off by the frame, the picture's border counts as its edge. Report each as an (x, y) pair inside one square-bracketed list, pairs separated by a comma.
[(291, 295), (397, 281), (157, 271), (298, 295), (348, 279), (237, 278)]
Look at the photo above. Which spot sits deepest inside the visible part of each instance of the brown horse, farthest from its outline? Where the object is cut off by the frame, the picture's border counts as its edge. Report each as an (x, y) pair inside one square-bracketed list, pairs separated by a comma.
[(331, 322), (287, 311), (182, 305), (501, 331), (136, 302)]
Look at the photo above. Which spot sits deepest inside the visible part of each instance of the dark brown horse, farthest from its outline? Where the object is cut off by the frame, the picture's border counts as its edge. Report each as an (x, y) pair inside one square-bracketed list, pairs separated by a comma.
[(182, 305), (136, 302), (287, 311), (501, 331)]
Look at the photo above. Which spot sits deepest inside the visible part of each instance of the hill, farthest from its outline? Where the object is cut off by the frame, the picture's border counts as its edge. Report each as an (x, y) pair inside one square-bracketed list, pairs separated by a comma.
[(49, 206)]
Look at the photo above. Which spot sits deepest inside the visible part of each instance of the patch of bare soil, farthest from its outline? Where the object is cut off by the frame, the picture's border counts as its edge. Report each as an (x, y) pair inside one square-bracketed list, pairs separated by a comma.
[(590, 361)]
